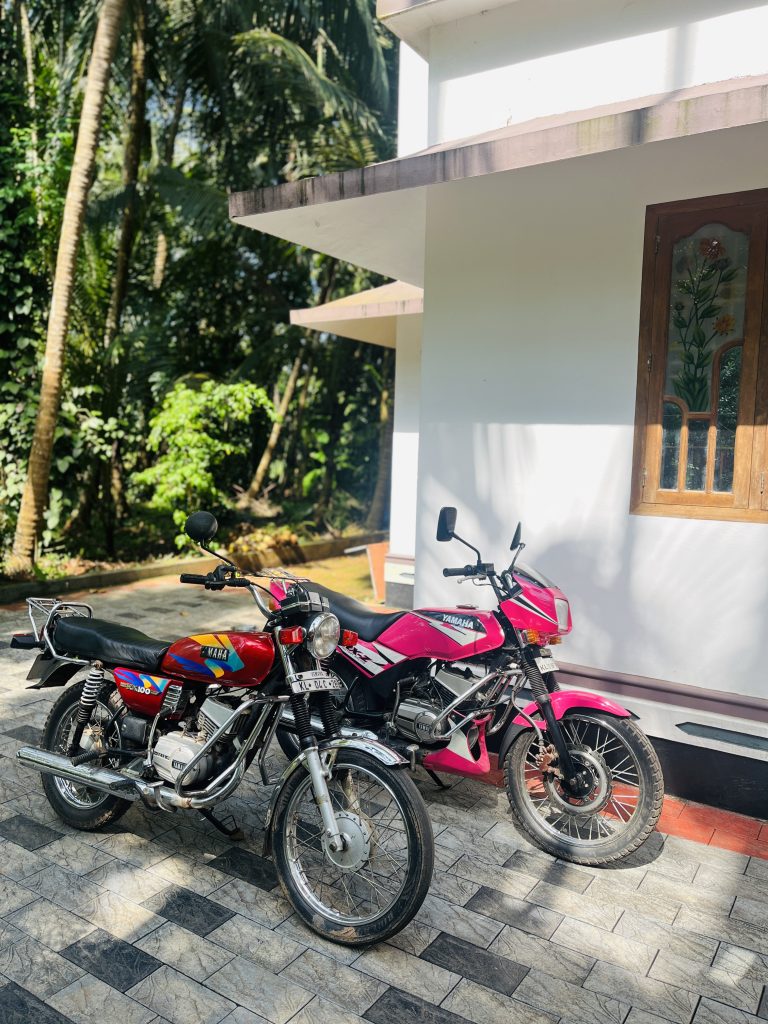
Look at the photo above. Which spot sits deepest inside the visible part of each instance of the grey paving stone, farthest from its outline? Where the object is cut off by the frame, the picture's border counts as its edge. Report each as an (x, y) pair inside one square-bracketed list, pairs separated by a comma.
[(90, 1001), (186, 908), (250, 901), (726, 929), (17, 1006), (179, 870), (563, 999), (712, 1012), (127, 880), (687, 850), (294, 928), (643, 1017), (716, 879), (620, 898), (542, 866), (414, 938), (18, 863), (239, 1016), (49, 924), (533, 951), (322, 1011), (451, 887), (743, 963), (740, 991), (111, 960), (276, 999), (688, 893), (119, 916), (252, 940), (695, 947), (486, 1006), (519, 913), (36, 968), (184, 950), (670, 1001), (478, 965), (513, 883), (603, 945), (404, 1008), (26, 832), (750, 911), (193, 843), (334, 981), (63, 887), (582, 907), (13, 895), (74, 855), (180, 999), (459, 921), (248, 866), (133, 848), (408, 973)]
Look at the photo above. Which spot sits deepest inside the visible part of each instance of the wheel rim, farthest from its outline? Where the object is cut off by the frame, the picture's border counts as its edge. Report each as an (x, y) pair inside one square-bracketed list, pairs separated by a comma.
[(610, 808), (362, 885), (77, 796)]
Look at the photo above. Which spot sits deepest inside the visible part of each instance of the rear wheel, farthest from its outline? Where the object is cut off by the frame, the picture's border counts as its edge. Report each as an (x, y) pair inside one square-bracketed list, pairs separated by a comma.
[(621, 809), (370, 890), (79, 806)]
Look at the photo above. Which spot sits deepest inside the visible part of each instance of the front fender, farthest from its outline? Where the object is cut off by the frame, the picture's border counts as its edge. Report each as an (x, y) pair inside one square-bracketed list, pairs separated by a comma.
[(373, 748), (562, 701)]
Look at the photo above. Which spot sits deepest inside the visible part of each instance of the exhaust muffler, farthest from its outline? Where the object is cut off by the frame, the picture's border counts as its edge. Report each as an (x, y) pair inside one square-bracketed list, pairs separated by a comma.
[(103, 779)]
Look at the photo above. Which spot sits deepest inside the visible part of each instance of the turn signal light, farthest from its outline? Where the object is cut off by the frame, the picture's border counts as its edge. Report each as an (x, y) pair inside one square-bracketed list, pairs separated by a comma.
[(348, 638), (533, 636), (291, 635), (555, 640)]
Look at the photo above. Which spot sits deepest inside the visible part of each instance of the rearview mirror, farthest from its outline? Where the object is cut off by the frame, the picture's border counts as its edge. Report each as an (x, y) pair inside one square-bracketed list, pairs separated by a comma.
[(446, 523), (517, 538), (201, 527)]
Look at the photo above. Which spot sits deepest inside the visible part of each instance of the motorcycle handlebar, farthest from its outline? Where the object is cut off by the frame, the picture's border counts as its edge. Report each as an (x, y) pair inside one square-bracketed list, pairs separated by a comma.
[(193, 577), (464, 570)]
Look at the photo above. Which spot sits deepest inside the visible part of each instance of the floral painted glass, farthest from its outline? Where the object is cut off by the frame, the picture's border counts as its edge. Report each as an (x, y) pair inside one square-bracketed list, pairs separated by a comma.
[(706, 317)]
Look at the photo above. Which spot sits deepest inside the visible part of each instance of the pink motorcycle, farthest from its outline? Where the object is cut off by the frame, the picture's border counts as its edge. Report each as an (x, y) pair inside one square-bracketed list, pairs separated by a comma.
[(582, 779)]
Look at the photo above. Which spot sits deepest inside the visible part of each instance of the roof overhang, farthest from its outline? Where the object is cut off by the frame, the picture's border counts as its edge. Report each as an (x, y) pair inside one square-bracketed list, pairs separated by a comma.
[(375, 216), (411, 20), (365, 316)]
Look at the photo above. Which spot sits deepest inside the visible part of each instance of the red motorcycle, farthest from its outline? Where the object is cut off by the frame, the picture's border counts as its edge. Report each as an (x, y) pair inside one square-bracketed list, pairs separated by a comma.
[(582, 779), (177, 725)]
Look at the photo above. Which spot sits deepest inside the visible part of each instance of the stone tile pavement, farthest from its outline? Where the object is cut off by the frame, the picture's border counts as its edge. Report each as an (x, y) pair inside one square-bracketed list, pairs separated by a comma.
[(164, 920)]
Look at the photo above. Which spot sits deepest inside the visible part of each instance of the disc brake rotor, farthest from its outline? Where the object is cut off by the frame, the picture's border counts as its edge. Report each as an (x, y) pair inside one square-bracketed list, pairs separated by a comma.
[(599, 792), (357, 843)]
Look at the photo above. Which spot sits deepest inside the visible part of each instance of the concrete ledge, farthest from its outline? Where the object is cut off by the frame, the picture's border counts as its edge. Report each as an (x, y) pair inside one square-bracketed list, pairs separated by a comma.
[(328, 548)]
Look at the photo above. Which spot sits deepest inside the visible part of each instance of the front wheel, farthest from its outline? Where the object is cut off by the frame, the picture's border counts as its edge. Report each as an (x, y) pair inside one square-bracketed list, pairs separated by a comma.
[(618, 813), (372, 888)]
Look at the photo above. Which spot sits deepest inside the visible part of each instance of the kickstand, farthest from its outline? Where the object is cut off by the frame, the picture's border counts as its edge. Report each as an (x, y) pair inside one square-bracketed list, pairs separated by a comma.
[(230, 831), (436, 779)]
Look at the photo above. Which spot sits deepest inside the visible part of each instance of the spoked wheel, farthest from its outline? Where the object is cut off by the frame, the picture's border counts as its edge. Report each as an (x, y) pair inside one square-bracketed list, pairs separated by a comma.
[(373, 887), (80, 806), (619, 811)]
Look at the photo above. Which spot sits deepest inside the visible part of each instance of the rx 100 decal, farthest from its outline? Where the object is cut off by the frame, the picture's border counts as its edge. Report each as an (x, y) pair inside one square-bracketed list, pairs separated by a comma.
[(140, 682)]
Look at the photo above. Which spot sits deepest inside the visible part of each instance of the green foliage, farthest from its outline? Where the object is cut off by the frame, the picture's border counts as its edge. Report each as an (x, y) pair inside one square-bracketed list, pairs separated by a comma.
[(199, 435)]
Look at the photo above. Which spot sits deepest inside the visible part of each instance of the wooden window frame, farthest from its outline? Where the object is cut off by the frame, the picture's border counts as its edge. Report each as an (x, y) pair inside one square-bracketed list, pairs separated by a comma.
[(751, 469)]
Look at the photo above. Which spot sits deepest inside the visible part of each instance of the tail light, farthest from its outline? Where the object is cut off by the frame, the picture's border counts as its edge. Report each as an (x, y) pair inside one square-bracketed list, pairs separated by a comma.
[(291, 635), (348, 638)]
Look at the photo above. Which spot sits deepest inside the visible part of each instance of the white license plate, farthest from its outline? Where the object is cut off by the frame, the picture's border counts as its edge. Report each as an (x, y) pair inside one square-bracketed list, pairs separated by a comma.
[(309, 682), (546, 665)]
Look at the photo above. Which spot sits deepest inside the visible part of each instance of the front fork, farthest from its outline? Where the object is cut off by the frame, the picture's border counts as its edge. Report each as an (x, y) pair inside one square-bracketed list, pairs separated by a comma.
[(575, 780)]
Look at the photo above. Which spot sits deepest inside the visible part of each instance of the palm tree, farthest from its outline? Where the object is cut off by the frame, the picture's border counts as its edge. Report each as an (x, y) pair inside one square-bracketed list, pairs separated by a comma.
[(35, 497)]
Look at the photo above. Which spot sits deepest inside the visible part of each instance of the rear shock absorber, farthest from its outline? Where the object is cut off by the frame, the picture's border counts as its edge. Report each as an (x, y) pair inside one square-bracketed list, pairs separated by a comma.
[(88, 697)]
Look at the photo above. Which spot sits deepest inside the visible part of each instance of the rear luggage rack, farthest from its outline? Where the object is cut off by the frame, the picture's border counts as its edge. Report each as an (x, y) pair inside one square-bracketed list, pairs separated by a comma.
[(44, 608)]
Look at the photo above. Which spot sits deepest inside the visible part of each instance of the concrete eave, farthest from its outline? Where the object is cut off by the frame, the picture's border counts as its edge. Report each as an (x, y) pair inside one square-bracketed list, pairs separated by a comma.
[(369, 316), (411, 20), (374, 216)]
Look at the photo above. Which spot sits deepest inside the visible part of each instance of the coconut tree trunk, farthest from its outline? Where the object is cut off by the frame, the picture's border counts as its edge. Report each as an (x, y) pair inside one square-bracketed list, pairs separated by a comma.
[(378, 510), (29, 61), (161, 247), (35, 496)]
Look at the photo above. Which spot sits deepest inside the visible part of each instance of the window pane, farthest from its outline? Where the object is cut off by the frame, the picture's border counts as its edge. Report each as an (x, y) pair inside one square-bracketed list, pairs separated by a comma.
[(707, 297), (727, 417), (670, 445), (696, 467)]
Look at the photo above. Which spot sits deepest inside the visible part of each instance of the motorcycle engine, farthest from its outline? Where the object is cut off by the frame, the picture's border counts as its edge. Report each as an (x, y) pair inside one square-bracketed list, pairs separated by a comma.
[(416, 718), (174, 750)]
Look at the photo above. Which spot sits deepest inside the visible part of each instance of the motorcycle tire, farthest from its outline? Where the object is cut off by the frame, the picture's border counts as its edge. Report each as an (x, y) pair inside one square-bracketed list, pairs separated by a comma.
[(78, 806), (371, 850), (567, 829)]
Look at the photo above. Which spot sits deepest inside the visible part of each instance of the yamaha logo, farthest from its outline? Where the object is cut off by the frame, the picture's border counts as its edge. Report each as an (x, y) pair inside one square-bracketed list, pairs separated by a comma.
[(214, 653)]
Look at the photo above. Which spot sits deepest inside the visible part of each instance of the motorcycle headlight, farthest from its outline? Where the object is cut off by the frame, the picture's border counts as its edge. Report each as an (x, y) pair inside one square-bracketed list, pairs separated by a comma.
[(561, 608), (323, 635)]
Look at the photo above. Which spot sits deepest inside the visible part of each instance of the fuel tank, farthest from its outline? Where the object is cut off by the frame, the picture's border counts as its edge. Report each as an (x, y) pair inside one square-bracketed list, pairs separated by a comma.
[(445, 634), (236, 659)]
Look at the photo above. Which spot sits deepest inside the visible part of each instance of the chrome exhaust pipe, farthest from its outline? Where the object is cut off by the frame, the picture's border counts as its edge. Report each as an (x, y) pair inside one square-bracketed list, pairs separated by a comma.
[(103, 779), (106, 780), (347, 731)]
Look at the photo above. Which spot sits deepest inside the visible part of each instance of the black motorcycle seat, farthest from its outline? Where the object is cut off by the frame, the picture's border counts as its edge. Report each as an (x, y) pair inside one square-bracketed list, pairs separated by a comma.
[(367, 623), (109, 642)]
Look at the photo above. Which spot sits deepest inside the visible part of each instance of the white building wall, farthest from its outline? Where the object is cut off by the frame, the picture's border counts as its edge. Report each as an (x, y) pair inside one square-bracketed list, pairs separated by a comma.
[(412, 101), (529, 361), (405, 439), (538, 57)]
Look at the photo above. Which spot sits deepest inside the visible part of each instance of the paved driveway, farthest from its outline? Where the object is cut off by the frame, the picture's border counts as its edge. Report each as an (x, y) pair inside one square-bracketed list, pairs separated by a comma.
[(163, 920)]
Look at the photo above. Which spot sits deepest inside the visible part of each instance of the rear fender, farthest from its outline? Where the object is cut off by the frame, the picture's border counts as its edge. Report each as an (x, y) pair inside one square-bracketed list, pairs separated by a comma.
[(562, 702), (50, 671), (379, 751)]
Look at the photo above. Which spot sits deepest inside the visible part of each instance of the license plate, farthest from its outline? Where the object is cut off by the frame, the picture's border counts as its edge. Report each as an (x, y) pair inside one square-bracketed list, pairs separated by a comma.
[(546, 665), (310, 682)]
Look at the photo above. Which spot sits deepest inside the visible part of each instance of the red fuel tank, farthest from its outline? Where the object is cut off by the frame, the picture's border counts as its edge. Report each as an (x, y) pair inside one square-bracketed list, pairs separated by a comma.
[(237, 659)]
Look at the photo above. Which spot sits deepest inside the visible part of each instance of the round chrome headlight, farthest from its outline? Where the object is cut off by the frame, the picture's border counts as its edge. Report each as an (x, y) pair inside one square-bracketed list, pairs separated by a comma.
[(323, 635)]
